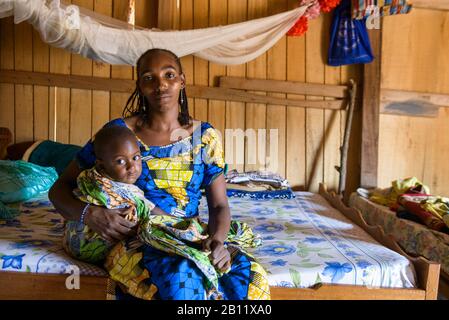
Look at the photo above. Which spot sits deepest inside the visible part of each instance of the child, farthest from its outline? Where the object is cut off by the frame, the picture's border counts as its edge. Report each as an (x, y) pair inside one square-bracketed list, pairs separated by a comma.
[(110, 183)]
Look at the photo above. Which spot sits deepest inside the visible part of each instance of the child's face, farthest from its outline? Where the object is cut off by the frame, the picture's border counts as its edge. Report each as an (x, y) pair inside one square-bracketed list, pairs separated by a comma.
[(122, 162)]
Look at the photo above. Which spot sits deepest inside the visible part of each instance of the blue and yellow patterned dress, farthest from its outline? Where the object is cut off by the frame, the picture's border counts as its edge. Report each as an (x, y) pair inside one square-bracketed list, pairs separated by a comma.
[(172, 178)]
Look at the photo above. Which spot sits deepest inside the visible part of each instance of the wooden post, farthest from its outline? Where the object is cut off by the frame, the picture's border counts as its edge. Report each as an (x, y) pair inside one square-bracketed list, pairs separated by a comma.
[(370, 113), (131, 16), (168, 14), (345, 147)]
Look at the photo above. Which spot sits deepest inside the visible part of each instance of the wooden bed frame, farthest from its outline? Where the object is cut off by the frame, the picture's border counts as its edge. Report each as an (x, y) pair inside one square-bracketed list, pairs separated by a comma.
[(338, 97), (43, 286), (53, 287)]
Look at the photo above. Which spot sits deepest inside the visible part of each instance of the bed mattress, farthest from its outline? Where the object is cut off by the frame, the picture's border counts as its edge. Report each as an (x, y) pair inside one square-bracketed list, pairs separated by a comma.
[(305, 242), (32, 242), (414, 238)]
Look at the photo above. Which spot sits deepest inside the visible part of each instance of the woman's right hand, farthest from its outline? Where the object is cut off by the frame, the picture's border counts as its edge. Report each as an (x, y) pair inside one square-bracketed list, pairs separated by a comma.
[(110, 224)]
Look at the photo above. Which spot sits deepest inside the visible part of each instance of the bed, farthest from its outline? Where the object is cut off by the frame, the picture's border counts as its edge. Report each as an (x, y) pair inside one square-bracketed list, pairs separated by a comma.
[(415, 239), (311, 250)]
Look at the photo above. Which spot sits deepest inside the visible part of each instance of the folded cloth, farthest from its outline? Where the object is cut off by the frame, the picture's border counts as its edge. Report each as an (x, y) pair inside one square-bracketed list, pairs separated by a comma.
[(364, 8), (419, 205), (257, 185), (389, 196), (404, 214), (274, 194), (265, 177)]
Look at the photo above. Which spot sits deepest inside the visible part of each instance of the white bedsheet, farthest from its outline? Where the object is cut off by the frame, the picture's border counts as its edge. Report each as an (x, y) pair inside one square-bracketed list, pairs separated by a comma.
[(305, 241)]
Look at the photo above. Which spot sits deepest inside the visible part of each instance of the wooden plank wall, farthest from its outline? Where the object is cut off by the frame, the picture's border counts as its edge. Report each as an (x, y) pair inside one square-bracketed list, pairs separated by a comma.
[(415, 57), (308, 140)]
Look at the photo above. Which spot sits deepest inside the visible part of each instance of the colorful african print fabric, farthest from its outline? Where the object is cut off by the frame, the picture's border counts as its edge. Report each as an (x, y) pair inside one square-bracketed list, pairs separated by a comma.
[(173, 175), (379, 8), (81, 242), (184, 237), (169, 263)]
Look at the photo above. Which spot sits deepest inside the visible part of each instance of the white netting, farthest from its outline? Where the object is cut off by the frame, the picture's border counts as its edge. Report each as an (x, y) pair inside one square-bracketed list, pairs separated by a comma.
[(111, 41)]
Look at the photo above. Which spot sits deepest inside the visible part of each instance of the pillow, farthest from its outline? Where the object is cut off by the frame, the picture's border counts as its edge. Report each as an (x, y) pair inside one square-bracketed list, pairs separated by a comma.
[(49, 153)]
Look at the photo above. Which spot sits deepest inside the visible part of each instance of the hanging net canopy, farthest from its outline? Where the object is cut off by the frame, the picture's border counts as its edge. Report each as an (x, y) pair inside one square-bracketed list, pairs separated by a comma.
[(112, 41)]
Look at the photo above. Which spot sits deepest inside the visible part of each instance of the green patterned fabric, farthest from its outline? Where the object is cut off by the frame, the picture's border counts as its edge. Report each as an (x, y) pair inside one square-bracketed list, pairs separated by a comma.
[(79, 240), (174, 235), (184, 237)]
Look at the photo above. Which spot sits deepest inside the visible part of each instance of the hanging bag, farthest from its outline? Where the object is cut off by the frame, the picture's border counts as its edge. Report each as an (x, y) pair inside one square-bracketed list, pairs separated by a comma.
[(349, 41)]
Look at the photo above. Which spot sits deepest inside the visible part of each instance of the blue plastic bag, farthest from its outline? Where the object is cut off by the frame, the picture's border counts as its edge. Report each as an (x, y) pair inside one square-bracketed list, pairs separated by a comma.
[(349, 41), (21, 180)]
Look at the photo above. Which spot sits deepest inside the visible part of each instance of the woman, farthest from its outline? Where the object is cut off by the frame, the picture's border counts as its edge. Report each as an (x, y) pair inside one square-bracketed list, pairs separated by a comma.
[(173, 173)]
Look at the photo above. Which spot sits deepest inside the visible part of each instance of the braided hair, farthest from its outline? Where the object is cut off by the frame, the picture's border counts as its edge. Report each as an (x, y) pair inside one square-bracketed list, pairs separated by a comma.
[(137, 104)]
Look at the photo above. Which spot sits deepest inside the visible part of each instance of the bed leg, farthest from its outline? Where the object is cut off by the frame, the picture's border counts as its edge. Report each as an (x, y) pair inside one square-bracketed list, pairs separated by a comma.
[(429, 280)]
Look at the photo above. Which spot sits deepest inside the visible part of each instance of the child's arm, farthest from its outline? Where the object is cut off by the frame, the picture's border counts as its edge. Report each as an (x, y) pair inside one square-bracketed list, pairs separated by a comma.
[(219, 223), (110, 224)]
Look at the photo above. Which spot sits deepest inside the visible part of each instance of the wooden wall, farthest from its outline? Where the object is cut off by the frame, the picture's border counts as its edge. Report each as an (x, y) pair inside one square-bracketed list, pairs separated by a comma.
[(309, 139), (415, 57)]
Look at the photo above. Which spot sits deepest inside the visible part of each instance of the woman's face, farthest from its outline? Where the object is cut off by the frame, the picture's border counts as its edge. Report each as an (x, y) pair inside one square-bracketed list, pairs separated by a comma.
[(160, 80)]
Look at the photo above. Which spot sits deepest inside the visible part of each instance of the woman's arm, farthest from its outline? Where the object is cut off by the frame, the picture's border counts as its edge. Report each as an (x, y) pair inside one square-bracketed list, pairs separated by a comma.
[(219, 213), (219, 223), (61, 194), (109, 224)]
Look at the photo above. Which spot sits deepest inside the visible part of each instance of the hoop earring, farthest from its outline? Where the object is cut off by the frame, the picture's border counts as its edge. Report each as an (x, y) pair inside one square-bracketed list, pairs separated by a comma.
[(181, 96)]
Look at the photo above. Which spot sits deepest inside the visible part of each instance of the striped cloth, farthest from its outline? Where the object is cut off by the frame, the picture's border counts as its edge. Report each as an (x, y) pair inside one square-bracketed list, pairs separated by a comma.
[(379, 8)]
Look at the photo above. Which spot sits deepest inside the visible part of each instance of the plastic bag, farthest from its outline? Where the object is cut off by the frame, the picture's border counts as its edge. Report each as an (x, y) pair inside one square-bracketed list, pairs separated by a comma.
[(20, 180), (349, 41)]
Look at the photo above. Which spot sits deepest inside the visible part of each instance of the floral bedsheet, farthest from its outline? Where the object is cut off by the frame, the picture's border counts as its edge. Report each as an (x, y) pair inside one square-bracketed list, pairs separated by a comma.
[(306, 241), (32, 242), (414, 238)]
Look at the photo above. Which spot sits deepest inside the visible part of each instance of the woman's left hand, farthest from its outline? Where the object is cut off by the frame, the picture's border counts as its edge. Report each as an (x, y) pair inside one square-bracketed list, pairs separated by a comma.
[(219, 254)]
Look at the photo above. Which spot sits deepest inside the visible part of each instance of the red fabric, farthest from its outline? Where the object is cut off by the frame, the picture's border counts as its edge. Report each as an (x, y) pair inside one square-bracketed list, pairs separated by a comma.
[(299, 28), (328, 5), (412, 203), (302, 24)]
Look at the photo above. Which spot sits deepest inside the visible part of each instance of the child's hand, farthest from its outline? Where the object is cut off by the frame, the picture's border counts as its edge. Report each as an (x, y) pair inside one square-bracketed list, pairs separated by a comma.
[(219, 254)]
